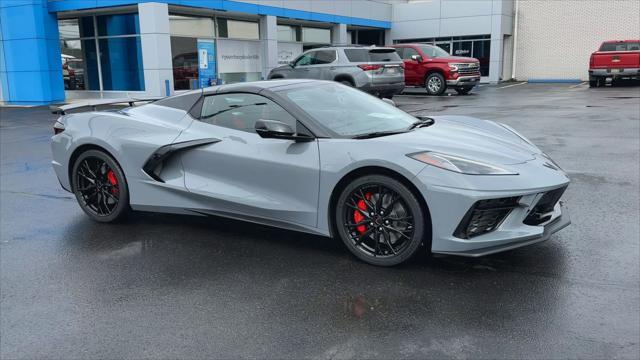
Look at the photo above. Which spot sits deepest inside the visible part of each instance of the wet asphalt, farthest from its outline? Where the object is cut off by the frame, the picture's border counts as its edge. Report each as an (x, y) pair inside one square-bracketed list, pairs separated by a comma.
[(167, 286)]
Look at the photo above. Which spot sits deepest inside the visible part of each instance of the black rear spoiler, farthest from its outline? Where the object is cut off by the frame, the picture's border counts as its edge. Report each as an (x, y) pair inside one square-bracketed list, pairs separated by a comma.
[(93, 104)]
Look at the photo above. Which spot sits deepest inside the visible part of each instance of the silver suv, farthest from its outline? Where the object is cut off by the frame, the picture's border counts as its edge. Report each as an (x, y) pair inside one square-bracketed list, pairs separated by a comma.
[(376, 70)]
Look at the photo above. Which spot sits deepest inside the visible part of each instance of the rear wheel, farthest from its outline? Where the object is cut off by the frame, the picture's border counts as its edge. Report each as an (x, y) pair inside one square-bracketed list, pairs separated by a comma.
[(100, 186), (593, 83), (435, 84), (346, 82), (380, 220)]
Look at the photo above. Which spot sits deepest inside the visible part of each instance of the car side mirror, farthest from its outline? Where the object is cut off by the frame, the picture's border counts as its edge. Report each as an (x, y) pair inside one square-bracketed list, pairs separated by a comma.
[(417, 58), (389, 101), (273, 129)]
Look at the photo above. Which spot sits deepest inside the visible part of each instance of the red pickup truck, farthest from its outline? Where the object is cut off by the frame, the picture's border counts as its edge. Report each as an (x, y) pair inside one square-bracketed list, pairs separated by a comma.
[(431, 67), (615, 60)]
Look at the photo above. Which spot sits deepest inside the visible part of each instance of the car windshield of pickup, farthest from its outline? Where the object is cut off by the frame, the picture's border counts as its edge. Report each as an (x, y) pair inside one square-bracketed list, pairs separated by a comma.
[(433, 51)]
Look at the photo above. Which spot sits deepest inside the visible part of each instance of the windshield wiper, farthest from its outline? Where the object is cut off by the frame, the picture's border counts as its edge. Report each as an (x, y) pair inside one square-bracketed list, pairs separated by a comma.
[(231, 107), (377, 134), (422, 122)]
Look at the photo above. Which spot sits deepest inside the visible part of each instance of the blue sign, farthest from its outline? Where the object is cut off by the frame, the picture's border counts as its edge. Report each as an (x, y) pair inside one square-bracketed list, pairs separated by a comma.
[(206, 62)]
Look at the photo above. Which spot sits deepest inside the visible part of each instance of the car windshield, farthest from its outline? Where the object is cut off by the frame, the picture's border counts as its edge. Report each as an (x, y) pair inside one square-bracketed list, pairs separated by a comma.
[(433, 51), (348, 112)]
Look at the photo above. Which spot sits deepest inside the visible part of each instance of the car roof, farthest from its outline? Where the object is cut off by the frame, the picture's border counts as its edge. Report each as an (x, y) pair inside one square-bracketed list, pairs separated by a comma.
[(410, 44), (257, 86)]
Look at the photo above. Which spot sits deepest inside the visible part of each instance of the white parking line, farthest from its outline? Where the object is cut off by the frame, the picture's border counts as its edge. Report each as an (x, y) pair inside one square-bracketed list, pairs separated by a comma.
[(577, 85), (508, 86)]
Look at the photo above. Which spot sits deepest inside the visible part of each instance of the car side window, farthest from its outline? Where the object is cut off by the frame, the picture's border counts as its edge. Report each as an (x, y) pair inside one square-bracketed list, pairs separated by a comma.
[(305, 59), (240, 111), (323, 57), (408, 52)]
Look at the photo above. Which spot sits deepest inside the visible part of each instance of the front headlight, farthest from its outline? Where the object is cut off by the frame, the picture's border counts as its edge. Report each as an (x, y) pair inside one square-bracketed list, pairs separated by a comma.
[(459, 165)]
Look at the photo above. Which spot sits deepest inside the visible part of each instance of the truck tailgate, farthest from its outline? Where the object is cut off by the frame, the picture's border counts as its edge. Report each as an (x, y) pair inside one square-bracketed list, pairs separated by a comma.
[(616, 59)]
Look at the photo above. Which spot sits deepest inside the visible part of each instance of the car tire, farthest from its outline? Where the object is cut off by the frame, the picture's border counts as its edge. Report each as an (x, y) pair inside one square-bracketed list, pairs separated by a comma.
[(394, 232), (463, 90), (387, 96), (593, 83), (435, 84), (346, 82), (100, 186)]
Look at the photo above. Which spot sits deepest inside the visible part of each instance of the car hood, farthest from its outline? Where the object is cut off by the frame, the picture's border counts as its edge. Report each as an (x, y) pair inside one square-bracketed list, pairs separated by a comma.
[(456, 59), (467, 137), (281, 67)]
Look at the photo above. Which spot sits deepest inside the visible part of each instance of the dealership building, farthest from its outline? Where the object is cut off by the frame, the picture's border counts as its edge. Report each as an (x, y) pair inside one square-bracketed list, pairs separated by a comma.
[(59, 50)]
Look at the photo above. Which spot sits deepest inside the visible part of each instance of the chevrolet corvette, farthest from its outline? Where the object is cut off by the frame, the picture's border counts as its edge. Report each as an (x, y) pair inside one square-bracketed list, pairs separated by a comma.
[(317, 157)]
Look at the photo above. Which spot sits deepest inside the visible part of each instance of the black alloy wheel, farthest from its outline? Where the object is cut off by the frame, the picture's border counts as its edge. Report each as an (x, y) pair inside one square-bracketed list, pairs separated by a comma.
[(380, 220), (100, 187)]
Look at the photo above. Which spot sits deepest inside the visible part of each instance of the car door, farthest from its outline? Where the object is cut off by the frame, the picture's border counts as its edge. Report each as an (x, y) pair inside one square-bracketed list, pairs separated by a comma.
[(244, 175), (412, 74), (324, 64), (304, 67)]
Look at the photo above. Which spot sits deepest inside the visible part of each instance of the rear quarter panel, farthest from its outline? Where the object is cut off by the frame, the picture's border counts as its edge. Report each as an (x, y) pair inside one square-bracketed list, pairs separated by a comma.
[(130, 136)]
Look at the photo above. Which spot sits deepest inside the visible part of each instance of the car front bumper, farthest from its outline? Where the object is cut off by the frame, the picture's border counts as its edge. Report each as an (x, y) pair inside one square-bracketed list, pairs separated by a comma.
[(452, 197), (472, 80)]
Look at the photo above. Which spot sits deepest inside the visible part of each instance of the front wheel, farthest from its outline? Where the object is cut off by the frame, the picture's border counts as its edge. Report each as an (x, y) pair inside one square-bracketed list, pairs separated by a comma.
[(100, 186), (380, 220), (435, 84)]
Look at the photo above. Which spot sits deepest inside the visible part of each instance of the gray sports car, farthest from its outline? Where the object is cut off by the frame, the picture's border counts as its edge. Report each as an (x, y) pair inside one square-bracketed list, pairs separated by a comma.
[(318, 157)]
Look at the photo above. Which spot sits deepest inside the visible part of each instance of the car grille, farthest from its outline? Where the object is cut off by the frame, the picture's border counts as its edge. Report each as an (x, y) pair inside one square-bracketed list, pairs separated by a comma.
[(468, 68), (543, 210), (485, 216)]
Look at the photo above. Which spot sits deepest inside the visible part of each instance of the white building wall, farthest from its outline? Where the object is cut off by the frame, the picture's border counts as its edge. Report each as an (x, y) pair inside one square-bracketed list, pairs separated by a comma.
[(556, 38)]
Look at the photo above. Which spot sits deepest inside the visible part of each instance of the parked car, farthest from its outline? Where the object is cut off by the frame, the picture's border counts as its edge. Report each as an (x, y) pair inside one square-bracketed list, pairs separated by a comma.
[(615, 60), (376, 70), (436, 70), (72, 73), (318, 157)]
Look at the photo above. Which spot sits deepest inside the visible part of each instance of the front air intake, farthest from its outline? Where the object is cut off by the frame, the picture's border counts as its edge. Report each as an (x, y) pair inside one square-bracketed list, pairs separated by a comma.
[(485, 216), (543, 210)]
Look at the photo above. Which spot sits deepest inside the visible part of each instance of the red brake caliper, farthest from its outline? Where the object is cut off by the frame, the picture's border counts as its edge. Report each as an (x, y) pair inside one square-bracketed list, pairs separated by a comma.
[(111, 177), (357, 215)]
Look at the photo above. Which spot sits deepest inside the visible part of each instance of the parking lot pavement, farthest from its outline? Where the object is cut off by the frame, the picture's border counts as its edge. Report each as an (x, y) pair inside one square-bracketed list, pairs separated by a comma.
[(188, 287)]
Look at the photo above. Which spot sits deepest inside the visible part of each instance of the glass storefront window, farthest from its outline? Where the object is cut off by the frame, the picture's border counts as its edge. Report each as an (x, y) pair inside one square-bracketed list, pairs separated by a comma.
[(462, 48), (120, 24), (191, 26), (118, 44), (184, 58), (239, 61), (236, 29), (316, 35), (288, 33), (121, 62), (482, 52), (79, 65)]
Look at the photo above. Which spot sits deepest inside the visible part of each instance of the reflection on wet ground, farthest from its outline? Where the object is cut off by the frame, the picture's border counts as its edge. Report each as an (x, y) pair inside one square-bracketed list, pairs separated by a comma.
[(176, 286)]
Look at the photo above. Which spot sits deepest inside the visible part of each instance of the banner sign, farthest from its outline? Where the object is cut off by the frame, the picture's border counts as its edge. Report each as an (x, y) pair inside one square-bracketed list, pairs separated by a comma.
[(287, 52), (237, 56), (206, 62)]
